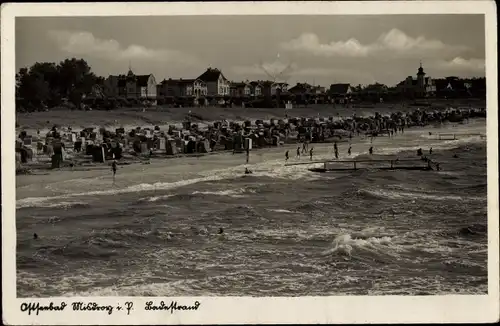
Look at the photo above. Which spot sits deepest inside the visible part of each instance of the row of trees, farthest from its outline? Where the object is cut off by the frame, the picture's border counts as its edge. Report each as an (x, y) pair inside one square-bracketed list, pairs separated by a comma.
[(46, 84)]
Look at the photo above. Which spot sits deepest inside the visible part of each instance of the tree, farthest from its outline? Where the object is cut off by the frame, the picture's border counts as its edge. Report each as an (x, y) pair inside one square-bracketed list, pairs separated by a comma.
[(76, 79), (33, 89), (48, 83)]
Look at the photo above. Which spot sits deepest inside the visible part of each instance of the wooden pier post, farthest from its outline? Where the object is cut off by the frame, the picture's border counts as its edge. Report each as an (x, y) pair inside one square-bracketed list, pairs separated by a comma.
[(355, 165)]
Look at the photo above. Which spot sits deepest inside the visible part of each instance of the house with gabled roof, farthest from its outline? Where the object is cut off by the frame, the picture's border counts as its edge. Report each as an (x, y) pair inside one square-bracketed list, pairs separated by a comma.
[(217, 83), (257, 88), (270, 88), (340, 90), (182, 87), (301, 88), (131, 86), (241, 89)]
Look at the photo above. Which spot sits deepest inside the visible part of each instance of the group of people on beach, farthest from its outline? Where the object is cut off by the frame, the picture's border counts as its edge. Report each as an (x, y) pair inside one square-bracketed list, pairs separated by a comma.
[(305, 149)]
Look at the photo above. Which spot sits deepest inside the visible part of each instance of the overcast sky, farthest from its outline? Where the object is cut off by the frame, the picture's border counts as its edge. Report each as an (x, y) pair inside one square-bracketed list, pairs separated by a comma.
[(317, 49)]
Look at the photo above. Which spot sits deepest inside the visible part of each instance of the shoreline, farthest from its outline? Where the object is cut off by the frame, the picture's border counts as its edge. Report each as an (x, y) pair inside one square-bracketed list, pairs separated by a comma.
[(84, 162), (176, 171)]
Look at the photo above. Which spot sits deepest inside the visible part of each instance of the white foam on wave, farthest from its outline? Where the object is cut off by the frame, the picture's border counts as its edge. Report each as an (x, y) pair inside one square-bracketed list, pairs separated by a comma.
[(282, 211), (436, 145), (397, 194), (131, 189), (42, 202), (235, 193), (155, 198), (344, 244)]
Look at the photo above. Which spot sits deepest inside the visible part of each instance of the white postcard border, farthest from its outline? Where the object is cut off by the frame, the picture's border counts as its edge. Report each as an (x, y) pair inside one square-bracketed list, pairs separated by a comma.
[(242, 310)]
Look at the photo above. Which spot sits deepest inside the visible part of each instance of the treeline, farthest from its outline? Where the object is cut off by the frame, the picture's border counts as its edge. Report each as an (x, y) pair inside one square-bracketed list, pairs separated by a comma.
[(46, 85)]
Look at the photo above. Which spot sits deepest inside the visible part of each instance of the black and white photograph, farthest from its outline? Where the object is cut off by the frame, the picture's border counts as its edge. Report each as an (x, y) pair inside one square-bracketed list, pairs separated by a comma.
[(251, 155)]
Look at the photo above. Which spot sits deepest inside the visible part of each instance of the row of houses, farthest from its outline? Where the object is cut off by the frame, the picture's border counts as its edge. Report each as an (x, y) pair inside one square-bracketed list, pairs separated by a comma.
[(213, 83)]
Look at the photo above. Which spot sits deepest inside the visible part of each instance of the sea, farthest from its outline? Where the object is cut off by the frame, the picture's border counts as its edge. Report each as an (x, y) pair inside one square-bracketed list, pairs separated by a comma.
[(287, 231)]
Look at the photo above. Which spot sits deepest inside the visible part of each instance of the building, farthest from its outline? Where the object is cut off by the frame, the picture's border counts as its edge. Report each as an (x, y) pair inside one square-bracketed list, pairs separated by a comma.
[(182, 87), (270, 88), (420, 87), (131, 86), (305, 88), (217, 84), (256, 89), (241, 89), (318, 90), (340, 90), (301, 88)]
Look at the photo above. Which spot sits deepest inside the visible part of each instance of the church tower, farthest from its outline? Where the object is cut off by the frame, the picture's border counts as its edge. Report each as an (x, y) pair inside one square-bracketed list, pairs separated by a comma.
[(421, 78), (130, 74)]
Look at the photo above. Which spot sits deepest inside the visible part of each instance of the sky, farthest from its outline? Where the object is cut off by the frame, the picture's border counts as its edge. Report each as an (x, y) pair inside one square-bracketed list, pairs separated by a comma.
[(320, 50)]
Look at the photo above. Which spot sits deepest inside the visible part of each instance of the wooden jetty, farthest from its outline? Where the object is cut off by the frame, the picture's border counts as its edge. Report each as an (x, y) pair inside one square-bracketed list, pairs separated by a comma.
[(377, 164), (449, 136)]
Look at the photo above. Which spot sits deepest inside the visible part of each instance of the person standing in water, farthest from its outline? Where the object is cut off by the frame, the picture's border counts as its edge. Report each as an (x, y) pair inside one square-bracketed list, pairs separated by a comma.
[(371, 150), (298, 152), (286, 156), (113, 168), (311, 153), (349, 151), (336, 150), (430, 151)]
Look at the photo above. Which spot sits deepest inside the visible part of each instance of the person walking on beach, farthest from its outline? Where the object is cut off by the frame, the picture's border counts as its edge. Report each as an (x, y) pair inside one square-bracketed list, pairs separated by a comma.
[(304, 147), (349, 151), (286, 156), (113, 168), (311, 153), (371, 150), (298, 152), (430, 151)]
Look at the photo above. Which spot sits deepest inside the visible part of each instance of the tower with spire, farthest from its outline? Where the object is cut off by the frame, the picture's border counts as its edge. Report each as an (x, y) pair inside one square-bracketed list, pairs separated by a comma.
[(421, 78)]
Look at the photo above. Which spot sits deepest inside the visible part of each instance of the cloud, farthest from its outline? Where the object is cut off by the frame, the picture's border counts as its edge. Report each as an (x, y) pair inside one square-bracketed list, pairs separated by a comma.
[(458, 63), (84, 43), (392, 43), (310, 43)]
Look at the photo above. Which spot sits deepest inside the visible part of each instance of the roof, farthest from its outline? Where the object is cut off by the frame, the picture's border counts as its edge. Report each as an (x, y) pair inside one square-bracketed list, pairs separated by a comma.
[(265, 82), (178, 81), (142, 80), (339, 88), (255, 83), (301, 87), (239, 84), (211, 75)]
